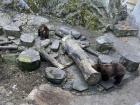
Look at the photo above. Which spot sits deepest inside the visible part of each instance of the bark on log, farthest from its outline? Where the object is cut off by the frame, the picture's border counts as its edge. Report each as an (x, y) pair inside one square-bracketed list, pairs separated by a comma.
[(51, 59), (85, 64), (6, 42), (8, 48)]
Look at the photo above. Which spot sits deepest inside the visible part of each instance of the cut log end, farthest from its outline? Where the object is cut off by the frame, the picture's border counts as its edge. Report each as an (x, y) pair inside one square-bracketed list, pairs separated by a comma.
[(94, 79)]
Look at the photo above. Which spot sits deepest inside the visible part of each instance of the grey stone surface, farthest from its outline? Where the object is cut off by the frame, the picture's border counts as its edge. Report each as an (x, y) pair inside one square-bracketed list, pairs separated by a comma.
[(125, 29), (5, 19), (16, 41), (45, 43), (29, 60), (83, 38), (55, 75), (36, 20), (27, 39), (131, 66), (75, 33), (68, 31), (79, 85), (55, 45), (105, 59), (59, 33), (75, 76), (19, 19), (11, 37), (10, 30), (84, 44), (107, 84), (103, 44), (130, 54)]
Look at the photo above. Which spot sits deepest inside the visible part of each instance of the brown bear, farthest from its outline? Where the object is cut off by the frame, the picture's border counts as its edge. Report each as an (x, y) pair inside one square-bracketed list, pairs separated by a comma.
[(43, 32), (115, 70)]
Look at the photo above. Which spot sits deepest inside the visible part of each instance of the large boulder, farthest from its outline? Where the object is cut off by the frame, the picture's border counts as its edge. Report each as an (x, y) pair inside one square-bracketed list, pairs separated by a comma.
[(55, 75), (130, 56), (27, 39), (29, 60), (10, 30), (124, 28)]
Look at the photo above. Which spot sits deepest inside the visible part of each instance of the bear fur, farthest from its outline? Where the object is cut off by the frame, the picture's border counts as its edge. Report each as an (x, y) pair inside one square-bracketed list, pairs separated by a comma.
[(43, 32), (115, 70)]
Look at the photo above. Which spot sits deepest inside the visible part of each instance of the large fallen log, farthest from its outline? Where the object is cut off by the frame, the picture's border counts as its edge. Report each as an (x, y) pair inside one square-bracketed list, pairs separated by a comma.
[(8, 47), (5, 42), (85, 64), (46, 56)]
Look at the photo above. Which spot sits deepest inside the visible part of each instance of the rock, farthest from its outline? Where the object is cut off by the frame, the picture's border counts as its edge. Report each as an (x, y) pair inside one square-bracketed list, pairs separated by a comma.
[(129, 54), (75, 34), (51, 27), (84, 44), (27, 39), (29, 60), (35, 20), (5, 19), (55, 75), (123, 29), (19, 19), (131, 66), (11, 37), (68, 85), (31, 96), (68, 31), (107, 84), (59, 33), (79, 85), (83, 38), (55, 45), (9, 58), (45, 43), (56, 95), (103, 44), (135, 13), (11, 31), (7, 2), (16, 41), (77, 79), (105, 59), (23, 5), (65, 30)]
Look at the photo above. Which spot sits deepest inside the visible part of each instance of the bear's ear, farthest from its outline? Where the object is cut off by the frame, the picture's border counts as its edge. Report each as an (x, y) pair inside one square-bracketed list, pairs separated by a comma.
[(96, 66)]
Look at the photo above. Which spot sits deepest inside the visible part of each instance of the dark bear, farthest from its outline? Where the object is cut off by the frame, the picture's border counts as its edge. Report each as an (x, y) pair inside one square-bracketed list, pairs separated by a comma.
[(43, 32), (115, 70)]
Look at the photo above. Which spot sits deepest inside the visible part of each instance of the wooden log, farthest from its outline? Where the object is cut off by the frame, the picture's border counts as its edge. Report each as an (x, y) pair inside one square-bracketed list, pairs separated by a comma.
[(6, 42), (46, 56), (8, 48), (85, 64)]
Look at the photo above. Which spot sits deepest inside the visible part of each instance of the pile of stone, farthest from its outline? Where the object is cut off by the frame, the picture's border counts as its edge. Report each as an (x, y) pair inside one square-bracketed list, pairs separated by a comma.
[(71, 57)]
